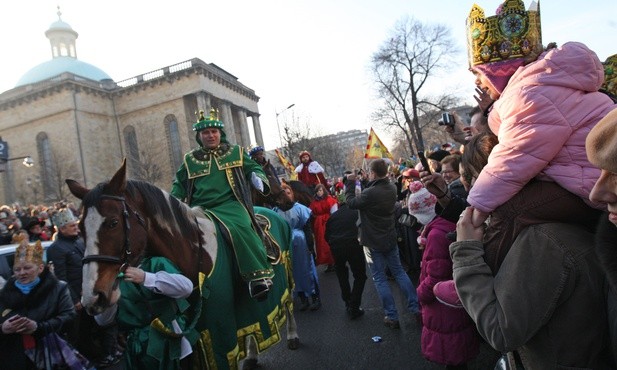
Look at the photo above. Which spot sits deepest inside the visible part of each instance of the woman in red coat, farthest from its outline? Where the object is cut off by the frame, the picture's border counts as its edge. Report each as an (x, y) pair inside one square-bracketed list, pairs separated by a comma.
[(322, 207)]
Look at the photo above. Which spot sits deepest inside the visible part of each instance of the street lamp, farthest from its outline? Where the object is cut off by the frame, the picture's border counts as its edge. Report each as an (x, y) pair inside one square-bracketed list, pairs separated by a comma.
[(277, 123), (27, 161)]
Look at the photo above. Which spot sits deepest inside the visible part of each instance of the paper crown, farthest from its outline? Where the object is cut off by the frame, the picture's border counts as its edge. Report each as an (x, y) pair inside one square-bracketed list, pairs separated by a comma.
[(511, 34), (255, 150), (212, 121), (32, 253), (610, 75), (63, 217)]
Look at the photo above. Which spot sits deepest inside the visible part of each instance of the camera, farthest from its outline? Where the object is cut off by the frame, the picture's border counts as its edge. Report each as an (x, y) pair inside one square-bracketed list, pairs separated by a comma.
[(446, 120)]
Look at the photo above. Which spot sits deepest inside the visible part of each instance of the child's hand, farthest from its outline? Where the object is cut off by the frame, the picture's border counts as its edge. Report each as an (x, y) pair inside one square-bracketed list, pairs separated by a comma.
[(478, 217), (465, 230), (135, 275)]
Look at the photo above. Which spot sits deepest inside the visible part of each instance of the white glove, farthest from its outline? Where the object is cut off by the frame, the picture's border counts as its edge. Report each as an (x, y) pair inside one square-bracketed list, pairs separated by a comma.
[(257, 183)]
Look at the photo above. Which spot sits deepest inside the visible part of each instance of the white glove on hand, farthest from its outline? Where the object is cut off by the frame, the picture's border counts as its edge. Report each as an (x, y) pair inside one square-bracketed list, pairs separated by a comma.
[(257, 183)]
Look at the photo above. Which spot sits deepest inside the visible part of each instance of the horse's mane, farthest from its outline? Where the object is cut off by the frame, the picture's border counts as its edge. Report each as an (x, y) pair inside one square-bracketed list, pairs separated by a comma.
[(166, 209)]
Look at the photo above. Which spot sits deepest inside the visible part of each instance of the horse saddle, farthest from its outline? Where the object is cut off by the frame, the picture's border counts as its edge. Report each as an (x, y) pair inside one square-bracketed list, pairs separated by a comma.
[(273, 250)]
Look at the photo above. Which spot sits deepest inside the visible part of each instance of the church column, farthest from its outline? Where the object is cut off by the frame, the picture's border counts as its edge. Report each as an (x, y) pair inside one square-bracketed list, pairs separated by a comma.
[(227, 118), (203, 102), (257, 129), (243, 128)]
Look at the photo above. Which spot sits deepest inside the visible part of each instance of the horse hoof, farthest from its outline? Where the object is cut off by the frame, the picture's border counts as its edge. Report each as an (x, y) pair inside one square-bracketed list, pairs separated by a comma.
[(250, 364), (293, 343)]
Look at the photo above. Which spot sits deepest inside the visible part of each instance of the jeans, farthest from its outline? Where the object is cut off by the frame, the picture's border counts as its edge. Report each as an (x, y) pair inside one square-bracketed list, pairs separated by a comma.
[(377, 262)]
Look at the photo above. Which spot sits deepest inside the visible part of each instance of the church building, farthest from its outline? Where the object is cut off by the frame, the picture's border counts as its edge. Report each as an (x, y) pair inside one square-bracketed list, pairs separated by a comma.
[(75, 122)]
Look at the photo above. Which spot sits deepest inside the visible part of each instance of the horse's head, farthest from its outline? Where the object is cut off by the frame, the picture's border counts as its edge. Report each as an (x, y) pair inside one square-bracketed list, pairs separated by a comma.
[(277, 196), (115, 238)]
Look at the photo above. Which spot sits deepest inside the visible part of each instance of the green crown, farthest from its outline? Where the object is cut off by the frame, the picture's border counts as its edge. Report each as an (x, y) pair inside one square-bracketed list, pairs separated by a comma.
[(212, 121)]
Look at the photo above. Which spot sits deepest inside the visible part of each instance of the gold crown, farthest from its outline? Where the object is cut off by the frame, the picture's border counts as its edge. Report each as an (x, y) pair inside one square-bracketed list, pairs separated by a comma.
[(610, 75), (32, 253), (511, 34)]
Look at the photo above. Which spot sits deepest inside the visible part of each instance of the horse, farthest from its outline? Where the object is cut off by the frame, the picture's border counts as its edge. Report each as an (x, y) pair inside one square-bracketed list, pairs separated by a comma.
[(277, 196), (123, 220)]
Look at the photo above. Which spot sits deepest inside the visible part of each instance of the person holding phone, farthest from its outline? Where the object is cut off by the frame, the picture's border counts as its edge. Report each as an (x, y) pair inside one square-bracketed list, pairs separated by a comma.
[(33, 303)]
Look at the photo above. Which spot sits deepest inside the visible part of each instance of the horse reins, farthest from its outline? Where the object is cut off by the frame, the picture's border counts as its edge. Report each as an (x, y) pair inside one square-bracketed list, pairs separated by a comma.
[(124, 260)]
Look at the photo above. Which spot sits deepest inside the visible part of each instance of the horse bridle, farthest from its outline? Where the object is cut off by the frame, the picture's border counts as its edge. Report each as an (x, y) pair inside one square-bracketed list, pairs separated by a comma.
[(124, 260)]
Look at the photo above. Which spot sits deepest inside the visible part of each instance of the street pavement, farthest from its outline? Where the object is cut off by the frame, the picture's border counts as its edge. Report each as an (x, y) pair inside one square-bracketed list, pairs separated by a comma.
[(330, 340)]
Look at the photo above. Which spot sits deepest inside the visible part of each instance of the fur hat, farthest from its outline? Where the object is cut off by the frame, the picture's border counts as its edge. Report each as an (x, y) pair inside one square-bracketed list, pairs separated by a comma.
[(32, 253), (421, 203), (601, 143), (63, 217)]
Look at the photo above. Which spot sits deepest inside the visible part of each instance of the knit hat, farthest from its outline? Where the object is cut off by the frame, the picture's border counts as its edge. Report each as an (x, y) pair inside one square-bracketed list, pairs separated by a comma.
[(63, 217), (601, 143), (498, 74), (421, 203)]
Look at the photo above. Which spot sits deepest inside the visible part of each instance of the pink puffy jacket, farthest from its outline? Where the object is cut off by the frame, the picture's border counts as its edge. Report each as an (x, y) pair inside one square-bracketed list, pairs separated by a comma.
[(542, 119)]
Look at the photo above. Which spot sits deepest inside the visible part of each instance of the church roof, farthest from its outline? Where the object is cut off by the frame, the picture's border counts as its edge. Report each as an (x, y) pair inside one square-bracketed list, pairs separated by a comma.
[(59, 65)]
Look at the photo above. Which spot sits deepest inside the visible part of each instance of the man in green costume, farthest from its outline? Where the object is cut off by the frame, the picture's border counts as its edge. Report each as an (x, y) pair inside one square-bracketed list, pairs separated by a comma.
[(214, 177)]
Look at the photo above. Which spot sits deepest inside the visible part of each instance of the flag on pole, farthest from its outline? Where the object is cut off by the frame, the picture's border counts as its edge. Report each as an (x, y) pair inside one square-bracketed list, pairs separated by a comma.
[(289, 168), (375, 148)]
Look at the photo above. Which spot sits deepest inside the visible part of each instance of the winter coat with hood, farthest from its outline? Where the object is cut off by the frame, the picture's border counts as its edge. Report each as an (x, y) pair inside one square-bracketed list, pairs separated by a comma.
[(449, 336), (542, 119)]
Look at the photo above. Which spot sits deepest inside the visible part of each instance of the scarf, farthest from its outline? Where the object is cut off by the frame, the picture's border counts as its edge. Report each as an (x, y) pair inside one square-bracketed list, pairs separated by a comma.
[(27, 288)]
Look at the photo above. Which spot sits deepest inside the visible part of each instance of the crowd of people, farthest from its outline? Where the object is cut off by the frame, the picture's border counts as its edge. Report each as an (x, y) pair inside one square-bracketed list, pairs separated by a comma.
[(509, 239)]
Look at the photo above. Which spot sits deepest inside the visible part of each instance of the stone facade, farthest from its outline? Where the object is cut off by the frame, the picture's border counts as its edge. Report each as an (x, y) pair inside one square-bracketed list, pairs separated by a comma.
[(82, 129)]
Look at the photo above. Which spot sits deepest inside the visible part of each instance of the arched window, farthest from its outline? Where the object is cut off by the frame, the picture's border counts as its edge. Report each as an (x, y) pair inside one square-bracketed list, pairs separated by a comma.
[(132, 150), (173, 141), (48, 168)]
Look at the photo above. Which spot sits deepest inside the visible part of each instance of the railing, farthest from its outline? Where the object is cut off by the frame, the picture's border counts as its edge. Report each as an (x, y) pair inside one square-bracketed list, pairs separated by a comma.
[(156, 74)]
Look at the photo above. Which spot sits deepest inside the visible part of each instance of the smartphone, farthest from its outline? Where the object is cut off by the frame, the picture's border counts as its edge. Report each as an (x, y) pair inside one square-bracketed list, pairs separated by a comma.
[(424, 162), (446, 120)]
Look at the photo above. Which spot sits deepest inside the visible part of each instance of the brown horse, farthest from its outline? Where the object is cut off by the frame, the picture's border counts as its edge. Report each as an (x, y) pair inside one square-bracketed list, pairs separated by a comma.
[(277, 196), (123, 220)]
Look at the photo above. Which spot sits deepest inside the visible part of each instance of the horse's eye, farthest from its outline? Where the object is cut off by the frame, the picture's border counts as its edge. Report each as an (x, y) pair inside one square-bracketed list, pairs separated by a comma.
[(112, 223)]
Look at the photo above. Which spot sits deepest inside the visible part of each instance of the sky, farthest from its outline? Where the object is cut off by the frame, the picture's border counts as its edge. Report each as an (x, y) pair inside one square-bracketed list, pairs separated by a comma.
[(313, 54)]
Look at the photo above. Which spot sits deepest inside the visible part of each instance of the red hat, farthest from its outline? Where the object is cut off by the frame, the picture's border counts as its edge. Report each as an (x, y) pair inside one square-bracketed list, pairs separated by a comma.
[(411, 172), (303, 153)]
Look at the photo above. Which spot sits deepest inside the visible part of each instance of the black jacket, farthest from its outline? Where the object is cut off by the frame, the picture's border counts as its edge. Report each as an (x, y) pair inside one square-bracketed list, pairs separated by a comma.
[(66, 253), (341, 228), (49, 304), (376, 205)]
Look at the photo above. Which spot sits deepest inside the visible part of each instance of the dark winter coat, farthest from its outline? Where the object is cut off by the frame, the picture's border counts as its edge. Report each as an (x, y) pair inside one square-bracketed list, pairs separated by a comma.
[(49, 304), (376, 205), (341, 229), (66, 253), (449, 335)]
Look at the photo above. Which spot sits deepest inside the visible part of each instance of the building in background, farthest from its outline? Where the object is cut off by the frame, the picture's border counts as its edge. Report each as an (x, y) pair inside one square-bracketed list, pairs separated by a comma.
[(76, 122), (335, 152)]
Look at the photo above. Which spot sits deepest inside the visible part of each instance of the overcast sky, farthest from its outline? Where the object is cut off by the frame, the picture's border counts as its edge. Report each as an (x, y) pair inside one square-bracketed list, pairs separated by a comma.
[(314, 54)]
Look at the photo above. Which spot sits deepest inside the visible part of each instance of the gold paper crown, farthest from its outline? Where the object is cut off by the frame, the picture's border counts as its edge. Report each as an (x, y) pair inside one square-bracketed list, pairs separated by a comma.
[(610, 75), (513, 33), (32, 253)]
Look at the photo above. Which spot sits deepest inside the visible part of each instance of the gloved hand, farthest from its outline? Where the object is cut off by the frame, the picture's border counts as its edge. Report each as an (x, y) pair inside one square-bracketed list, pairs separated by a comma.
[(257, 183)]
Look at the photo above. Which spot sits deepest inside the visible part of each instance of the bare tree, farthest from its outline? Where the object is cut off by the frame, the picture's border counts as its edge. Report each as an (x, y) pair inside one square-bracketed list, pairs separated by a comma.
[(146, 168), (402, 67), (62, 166)]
